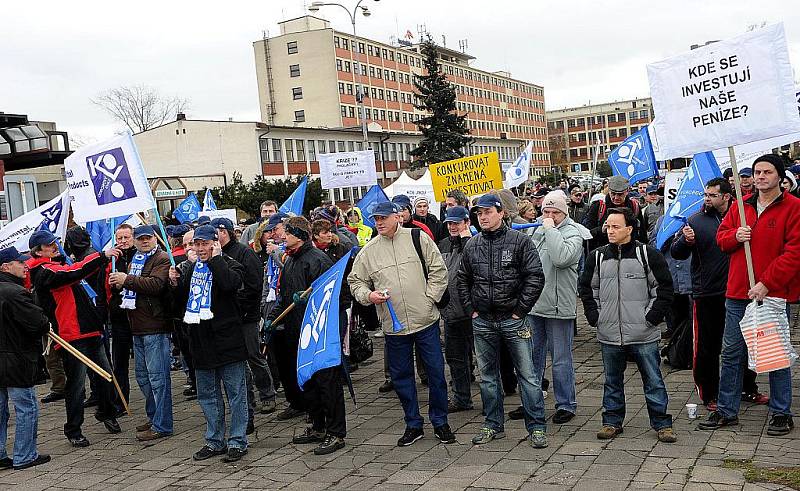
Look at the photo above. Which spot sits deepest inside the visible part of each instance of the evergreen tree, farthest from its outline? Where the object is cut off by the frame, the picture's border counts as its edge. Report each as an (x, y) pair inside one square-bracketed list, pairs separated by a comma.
[(444, 131)]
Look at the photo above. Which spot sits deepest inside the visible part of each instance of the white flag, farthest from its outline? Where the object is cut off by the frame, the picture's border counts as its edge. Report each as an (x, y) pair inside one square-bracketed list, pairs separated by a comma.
[(52, 216), (107, 179), (520, 170)]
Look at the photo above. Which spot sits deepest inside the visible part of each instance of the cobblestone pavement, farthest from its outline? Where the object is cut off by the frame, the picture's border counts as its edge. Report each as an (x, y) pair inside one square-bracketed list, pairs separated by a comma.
[(371, 460)]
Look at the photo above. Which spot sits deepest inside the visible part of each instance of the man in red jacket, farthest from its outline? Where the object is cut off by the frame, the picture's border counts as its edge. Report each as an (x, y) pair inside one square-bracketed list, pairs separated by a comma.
[(73, 317), (772, 216)]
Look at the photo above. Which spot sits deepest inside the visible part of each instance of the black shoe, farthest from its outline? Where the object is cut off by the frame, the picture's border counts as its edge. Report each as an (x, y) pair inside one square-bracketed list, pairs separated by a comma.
[(289, 413), (387, 386), (780, 424), (329, 445), (6, 463), (208, 452), (52, 397), (518, 413), (79, 442), (562, 416), (110, 423), (41, 459), (424, 381), (545, 384), (190, 391), (90, 402), (251, 427), (444, 434), (410, 436), (716, 420), (309, 436), (234, 454)]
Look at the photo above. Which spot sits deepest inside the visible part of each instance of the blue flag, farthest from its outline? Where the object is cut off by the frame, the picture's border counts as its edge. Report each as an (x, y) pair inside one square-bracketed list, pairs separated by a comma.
[(374, 196), (634, 159), (188, 210), (208, 201), (319, 346), (100, 231), (689, 199), (294, 204)]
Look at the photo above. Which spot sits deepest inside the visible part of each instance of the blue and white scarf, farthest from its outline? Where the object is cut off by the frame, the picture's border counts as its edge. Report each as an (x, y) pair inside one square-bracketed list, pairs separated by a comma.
[(137, 265), (198, 307), (272, 273)]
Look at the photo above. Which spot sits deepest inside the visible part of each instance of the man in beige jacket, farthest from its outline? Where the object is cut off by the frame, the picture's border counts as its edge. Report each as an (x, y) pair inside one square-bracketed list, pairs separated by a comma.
[(392, 274)]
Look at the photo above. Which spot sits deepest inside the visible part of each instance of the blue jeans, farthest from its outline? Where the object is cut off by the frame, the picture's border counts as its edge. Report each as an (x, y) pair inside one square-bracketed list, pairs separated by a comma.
[(209, 395), (734, 363), (555, 336), (26, 411), (648, 360), (152, 357), (516, 335), (400, 350)]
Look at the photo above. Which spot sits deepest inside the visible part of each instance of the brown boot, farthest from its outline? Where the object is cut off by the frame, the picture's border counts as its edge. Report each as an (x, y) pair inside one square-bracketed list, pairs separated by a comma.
[(667, 435), (150, 435), (608, 432), (144, 427)]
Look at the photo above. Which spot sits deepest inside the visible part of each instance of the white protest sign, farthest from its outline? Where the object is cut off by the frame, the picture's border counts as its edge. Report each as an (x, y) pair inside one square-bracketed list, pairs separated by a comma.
[(727, 93), (106, 180), (229, 213), (414, 191), (52, 216), (347, 169), (672, 182)]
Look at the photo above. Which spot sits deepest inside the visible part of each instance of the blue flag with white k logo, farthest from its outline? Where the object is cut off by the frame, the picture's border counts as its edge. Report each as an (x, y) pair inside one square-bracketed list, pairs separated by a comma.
[(188, 210), (294, 203), (319, 346), (690, 196), (208, 201), (634, 159), (374, 196)]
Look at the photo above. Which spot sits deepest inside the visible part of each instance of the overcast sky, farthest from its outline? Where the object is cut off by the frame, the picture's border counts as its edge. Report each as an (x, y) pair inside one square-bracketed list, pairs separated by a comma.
[(56, 55)]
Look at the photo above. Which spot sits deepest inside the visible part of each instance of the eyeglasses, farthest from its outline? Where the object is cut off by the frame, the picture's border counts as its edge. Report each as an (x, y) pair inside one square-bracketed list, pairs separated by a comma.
[(712, 195)]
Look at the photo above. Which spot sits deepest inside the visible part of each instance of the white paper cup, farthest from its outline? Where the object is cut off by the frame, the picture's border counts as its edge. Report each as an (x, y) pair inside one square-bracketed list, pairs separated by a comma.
[(691, 411)]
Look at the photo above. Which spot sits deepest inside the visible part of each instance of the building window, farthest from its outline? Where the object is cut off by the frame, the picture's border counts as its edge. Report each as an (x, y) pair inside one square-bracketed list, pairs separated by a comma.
[(338, 65), (312, 149), (289, 150), (263, 144), (300, 146), (336, 42), (291, 47), (321, 146), (297, 93), (361, 48), (347, 66), (621, 117), (349, 89), (385, 54), (351, 112), (643, 114), (612, 118), (345, 44), (299, 116), (277, 154), (351, 146), (331, 146), (340, 145), (623, 132), (294, 70), (341, 87), (343, 111)]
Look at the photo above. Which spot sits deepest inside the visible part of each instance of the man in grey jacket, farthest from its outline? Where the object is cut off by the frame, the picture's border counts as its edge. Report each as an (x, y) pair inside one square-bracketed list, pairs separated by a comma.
[(626, 290), (560, 245)]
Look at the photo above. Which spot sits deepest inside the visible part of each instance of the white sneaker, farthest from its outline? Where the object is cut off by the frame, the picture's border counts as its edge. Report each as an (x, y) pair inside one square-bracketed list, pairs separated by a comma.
[(378, 334)]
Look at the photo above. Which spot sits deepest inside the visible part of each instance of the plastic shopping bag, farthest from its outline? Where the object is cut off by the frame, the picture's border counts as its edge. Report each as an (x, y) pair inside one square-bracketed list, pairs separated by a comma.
[(765, 329)]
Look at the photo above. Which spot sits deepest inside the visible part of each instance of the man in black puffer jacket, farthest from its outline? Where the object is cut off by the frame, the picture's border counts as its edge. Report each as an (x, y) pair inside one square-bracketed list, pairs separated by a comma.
[(22, 325), (249, 297), (499, 281)]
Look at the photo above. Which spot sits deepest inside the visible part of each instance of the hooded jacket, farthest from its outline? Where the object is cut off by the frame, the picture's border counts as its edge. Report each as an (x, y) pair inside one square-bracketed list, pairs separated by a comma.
[(559, 249), (393, 264), (626, 292), (500, 275), (775, 242), (22, 325), (362, 231)]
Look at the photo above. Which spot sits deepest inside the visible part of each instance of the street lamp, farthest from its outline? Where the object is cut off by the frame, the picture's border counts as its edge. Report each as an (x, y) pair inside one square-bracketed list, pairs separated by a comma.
[(314, 7)]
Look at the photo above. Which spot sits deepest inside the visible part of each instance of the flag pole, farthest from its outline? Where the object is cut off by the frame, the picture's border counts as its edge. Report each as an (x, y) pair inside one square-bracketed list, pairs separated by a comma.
[(748, 254), (164, 232)]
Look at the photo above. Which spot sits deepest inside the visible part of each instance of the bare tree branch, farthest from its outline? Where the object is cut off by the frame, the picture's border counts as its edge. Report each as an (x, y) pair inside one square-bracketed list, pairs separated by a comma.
[(140, 107)]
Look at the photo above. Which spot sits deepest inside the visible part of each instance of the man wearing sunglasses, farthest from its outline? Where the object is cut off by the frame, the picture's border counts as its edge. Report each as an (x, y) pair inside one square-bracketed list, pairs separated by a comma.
[(618, 189)]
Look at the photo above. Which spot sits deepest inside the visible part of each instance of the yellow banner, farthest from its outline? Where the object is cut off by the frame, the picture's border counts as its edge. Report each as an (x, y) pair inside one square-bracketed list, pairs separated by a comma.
[(477, 174)]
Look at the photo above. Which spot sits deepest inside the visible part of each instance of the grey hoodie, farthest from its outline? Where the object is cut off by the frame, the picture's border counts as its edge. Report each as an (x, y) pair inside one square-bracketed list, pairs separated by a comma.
[(559, 249)]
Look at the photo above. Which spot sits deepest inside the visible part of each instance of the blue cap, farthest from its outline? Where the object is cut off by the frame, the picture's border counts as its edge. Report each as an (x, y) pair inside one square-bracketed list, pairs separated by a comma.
[(456, 214), (402, 201), (168, 229), (275, 219), (385, 208), (746, 172), (653, 188), (178, 230), (223, 222), (203, 220), (795, 169), (488, 201), (143, 230), (12, 254), (40, 238), (205, 232)]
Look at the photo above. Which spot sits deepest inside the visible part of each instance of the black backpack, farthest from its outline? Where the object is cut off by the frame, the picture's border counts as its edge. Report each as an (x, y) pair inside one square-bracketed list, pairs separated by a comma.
[(445, 300), (679, 352)]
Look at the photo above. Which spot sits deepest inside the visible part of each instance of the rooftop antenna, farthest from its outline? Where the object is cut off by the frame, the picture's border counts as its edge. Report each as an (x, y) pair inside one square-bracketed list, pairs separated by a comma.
[(463, 45), (444, 41)]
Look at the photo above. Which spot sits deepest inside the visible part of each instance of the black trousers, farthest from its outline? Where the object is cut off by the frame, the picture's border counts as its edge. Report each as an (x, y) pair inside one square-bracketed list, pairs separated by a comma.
[(325, 395), (181, 338), (458, 343), (121, 344), (709, 325), (286, 350), (75, 392)]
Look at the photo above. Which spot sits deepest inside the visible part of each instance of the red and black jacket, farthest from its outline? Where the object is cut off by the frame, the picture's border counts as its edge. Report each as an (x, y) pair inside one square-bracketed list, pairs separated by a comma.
[(775, 242), (58, 291)]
